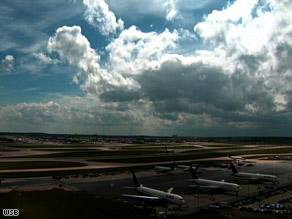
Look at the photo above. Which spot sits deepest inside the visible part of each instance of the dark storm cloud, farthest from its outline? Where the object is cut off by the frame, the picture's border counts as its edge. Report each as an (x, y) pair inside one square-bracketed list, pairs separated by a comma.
[(198, 87), (120, 95), (284, 56), (238, 100), (251, 62)]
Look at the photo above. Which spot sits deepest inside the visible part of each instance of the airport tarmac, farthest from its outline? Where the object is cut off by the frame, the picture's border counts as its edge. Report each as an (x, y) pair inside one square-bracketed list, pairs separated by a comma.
[(112, 187)]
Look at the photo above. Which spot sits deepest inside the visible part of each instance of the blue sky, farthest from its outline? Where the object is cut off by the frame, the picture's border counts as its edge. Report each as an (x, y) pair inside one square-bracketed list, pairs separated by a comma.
[(157, 67)]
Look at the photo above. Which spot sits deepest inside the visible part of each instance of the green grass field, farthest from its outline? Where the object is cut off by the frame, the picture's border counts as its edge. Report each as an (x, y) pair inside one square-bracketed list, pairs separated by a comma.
[(91, 154), (223, 145), (170, 157), (37, 164), (31, 146), (70, 172), (66, 149), (161, 148)]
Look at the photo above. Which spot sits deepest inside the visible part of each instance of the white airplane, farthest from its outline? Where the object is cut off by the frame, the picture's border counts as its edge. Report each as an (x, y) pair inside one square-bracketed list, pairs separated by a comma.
[(187, 168), (162, 169), (168, 150), (253, 176), (213, 184), (236, 157), (154, 194)]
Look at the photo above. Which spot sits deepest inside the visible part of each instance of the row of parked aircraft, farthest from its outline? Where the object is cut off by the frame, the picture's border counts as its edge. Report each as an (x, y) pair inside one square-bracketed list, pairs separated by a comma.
[(154, 194), (163, 169)]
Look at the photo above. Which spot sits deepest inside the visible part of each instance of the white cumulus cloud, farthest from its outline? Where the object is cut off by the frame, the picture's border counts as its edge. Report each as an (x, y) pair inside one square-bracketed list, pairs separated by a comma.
[(7, 64), (135, 51), (45, 59), (171, 9), (72, 46), (254, 37), (99, 15), (30, 112)]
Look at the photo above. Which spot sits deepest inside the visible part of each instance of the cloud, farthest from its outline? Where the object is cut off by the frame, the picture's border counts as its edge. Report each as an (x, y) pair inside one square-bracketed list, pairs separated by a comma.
[(171, 9), (69, 114), (238, 83), (25, 26), (45, 59), (72, 46), (130, 54), (232, 85), (99, 15), (73, 114), (7, 64), (233, 18), (194, 87), (33, 113), (255, 37), (181, 13), (135, 51)]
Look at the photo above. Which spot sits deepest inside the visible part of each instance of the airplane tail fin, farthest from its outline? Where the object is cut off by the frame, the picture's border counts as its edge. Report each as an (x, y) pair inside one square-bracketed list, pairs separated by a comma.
[(233, 168), (193, 173), (170, 190), (135, 180)]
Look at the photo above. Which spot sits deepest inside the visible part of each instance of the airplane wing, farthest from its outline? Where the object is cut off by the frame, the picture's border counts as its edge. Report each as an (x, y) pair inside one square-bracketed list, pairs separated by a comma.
[(141, 197)]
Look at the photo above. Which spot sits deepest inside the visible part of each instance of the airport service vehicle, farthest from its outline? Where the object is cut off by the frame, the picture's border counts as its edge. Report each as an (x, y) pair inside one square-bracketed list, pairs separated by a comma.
[(213, 184), (253, 176), (154, 194)]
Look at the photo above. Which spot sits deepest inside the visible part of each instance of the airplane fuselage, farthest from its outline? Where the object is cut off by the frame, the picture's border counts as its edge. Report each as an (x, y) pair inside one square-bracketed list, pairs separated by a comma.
[(217, 184), (162, 169), (256, 177), (176, 199)]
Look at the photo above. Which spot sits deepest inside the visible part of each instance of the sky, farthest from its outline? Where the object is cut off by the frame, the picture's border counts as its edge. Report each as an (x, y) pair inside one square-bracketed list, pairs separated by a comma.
[(156, 67)]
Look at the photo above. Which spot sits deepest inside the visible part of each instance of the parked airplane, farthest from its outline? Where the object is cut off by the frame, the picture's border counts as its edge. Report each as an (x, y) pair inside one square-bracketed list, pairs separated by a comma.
[(154, 194), (213, 184), (162, 169), (187, 168), (253, 176), (236, 158), (168, 150)]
